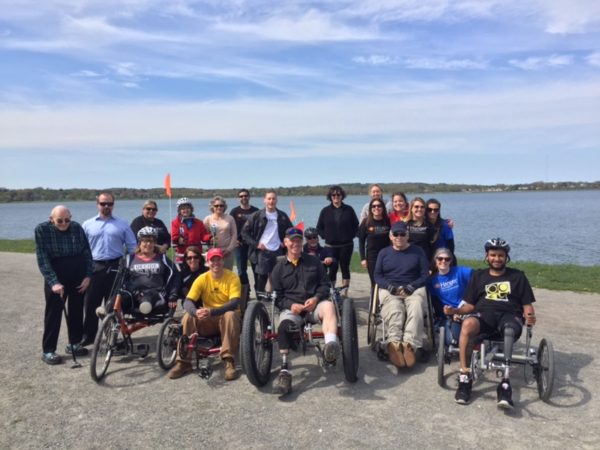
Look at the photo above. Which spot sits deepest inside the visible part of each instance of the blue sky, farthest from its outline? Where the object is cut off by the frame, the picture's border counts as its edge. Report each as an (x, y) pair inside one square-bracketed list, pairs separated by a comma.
[(230, 93)]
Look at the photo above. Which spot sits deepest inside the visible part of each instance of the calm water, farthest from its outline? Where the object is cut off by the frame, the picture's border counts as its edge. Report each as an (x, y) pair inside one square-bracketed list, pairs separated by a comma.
[(540, 226)]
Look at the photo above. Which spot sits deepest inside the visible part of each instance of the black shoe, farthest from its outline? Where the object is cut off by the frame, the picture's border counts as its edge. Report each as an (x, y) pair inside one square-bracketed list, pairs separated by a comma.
[(504, 392), (463, 393), (284, 383), (78, 349), (85, 341), (52, 358), (330, 352)]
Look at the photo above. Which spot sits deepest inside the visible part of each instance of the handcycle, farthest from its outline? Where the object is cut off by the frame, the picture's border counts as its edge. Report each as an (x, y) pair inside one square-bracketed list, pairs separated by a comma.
[(377, 336), (538, 365), (259, 330), (114, 333)]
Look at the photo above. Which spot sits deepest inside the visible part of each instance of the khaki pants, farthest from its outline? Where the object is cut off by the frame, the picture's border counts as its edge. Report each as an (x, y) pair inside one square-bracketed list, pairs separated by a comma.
[(403, 318), (228, 326)]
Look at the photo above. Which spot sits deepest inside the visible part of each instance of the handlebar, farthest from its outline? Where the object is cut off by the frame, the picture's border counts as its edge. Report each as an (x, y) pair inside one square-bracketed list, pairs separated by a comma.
[(266, 296)]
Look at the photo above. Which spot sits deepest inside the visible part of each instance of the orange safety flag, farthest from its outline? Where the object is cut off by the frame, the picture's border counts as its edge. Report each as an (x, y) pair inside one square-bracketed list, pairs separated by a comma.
[(168, 185), (292, 211), (300, 226)]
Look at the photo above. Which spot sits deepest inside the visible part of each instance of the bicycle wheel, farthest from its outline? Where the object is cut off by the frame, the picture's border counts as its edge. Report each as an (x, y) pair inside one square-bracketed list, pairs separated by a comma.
[(166, 345), (545, 369), (256, 346), (372, 320), (104, 344), (349, 341), (441, 355)]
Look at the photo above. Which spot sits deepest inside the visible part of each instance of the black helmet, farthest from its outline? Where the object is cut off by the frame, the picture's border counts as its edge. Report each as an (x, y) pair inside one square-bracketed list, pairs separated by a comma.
[(497, 244), (311, 232)]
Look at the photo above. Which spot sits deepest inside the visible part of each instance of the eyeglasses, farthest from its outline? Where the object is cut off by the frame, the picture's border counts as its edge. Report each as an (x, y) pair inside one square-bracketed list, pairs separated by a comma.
[(418, 207), (399, 234), (189, 258), (218, 206), (151, 209), (106, 203), (442, 258), (376, 206), (243, 196), (310, 238), (61, 221), (433, 209)]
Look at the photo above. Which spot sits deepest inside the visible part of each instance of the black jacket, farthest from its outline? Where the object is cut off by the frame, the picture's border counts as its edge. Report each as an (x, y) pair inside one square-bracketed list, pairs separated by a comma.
[(255, 227), (337, 227)]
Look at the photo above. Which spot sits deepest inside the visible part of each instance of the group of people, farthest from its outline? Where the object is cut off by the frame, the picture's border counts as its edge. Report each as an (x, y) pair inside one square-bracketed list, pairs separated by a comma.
[(406, 251)]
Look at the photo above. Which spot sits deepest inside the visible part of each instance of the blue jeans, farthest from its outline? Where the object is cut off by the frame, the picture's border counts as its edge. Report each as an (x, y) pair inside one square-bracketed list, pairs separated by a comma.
[(452, 330), (241, 262)]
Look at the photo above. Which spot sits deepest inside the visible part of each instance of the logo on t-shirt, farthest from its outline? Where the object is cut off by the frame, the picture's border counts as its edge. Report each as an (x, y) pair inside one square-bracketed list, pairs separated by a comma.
[(497, 292)]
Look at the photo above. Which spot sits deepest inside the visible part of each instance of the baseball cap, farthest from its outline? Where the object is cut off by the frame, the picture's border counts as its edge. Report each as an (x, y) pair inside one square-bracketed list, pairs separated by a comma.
[(399, 227), (214, 252), (293, 232)]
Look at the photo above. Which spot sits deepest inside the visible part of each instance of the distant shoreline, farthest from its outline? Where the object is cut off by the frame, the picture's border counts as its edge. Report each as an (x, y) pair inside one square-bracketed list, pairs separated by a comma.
[(40, 194)]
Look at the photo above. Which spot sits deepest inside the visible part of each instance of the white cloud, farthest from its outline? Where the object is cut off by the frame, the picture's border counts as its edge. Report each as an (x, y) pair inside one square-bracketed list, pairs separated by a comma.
[(421, 63), (542, 62), (593, 59), (375, 60), (570, 16)]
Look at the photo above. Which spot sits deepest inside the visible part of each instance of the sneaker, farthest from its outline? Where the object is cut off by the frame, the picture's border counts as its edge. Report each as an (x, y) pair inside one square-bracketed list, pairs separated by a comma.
[(409, 355), (505, 395), (284, 383), (78, 349), (145, 307), (101, 312), (230, 372), (330, 352), (395, 354), (52, 358), (463, 393), (181, 368)]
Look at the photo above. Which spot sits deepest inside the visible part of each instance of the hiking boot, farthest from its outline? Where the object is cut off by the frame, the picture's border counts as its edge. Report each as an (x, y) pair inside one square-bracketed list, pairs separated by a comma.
[(230, 372), (181, 368), (463, 393), (409, 355), (78, 349), (504, 392), (52, 358), (101, 312), (284, 383), (395, 354), (330, 352)]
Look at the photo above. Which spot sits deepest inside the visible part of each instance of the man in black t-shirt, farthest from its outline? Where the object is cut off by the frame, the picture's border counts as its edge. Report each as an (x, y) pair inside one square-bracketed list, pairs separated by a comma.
[(240, 214), (497, 299)]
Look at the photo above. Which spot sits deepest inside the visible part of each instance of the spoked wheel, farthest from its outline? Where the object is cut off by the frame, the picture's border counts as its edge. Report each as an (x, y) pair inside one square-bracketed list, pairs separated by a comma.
[(349, 341), (372, 322), (545, 369), (104, 345), (256, 346), (441, 355), (166, 345)]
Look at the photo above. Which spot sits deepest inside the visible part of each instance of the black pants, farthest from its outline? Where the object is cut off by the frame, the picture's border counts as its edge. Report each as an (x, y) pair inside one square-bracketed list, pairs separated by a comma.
[(99, 289), (343, 256)]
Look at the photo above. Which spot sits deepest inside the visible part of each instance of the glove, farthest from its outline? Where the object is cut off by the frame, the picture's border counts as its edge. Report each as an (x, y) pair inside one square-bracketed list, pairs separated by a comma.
[(392, 289), (409, 289)]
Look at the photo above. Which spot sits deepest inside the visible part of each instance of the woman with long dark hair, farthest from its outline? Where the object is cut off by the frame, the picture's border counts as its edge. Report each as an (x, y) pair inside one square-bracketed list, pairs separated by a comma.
[(373, 235), (420, 232), (443, 235)]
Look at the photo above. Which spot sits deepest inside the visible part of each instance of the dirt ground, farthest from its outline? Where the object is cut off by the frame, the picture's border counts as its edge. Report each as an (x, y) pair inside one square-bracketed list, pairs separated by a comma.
[(138, 407)]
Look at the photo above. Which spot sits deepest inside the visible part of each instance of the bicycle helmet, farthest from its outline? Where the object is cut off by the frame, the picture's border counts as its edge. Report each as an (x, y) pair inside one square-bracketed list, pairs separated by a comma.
[(183, 201), (497, 244), (311, 232), (147, 232)]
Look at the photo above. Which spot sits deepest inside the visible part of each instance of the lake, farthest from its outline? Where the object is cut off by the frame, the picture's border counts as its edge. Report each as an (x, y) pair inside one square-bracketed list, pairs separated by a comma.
[(537, 225)]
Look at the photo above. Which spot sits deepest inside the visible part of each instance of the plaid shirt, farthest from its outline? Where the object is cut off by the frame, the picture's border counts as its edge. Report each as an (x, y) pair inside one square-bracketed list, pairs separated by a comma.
[(52, 243)]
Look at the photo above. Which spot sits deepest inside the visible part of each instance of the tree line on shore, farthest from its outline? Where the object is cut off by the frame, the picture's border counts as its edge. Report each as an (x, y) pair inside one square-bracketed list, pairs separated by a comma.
[(40, 194)]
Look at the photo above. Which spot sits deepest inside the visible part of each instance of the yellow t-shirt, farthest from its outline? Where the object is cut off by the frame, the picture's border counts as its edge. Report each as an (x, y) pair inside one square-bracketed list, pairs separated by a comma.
[(215, 293)]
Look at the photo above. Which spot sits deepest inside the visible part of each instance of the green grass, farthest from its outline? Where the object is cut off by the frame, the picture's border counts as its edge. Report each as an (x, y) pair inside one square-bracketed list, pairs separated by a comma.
[(559, 277)]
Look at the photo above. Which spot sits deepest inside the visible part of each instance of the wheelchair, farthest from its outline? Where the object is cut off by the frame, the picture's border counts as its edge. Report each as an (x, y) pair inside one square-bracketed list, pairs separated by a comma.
[(538, 365), (114, 333), (203, 348), (377, 337), (259, 331), (446, 353)]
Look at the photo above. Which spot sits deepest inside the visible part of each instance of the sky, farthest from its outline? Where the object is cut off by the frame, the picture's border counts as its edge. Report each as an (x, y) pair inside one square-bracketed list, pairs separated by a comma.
[(260, 93)]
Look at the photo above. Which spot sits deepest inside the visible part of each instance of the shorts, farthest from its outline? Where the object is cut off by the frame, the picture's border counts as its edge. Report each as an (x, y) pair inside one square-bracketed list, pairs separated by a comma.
[(493, 323), (312, 317)]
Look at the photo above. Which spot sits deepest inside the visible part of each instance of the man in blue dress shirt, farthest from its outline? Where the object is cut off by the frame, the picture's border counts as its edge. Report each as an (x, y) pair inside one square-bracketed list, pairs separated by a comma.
[(109, 238)]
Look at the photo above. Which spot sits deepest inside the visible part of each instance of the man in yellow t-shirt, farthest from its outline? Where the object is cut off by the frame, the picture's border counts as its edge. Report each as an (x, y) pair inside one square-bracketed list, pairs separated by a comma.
[(211, 308)]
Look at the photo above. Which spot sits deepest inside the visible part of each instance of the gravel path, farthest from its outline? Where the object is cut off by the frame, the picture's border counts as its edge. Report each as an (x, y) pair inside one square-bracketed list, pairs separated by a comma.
[(137, 407)]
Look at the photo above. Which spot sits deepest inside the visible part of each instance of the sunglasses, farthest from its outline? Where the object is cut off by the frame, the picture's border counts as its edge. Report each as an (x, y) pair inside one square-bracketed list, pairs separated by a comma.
[(399, 234), (243, 196), (376, 206), (189, 258), (442, 258), (433, 209), (418, 207), (310, 238), (106, 203), (61, 221), (151, 209), (218, 206)]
